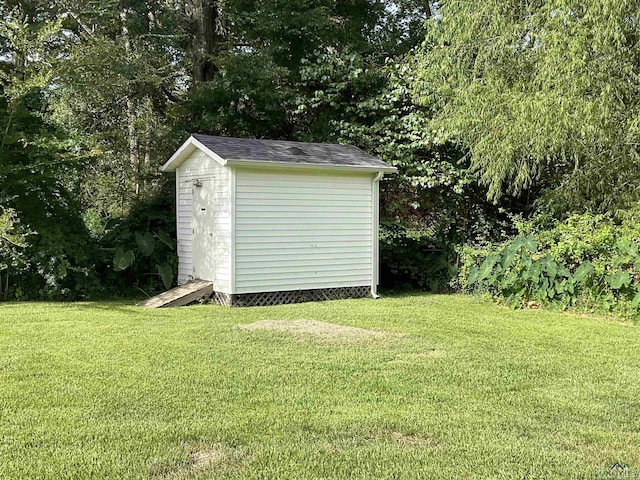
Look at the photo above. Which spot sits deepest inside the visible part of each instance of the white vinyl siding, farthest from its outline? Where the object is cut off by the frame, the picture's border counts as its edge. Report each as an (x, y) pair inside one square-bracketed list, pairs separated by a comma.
[(184, 205), (298, 230), (216, 186)]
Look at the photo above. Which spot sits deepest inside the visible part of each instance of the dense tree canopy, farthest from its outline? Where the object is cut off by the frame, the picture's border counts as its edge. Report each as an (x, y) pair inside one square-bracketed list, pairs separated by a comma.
[(543, 93), (96, 95), (489, 109)]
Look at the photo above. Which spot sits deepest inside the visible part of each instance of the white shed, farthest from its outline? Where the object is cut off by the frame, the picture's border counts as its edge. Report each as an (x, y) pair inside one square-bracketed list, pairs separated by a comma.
[(270, 221)]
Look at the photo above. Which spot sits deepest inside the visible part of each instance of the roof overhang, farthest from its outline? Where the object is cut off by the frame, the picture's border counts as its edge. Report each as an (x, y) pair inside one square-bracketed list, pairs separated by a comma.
[(185, 150), (188, 147), (309, 166)]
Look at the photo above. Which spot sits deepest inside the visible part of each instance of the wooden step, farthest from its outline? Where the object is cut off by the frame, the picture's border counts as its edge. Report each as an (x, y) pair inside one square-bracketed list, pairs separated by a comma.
[(183, 295)]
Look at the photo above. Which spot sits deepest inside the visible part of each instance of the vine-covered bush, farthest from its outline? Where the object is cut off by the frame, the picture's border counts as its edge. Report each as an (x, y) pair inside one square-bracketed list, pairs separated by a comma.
[(590, 262)]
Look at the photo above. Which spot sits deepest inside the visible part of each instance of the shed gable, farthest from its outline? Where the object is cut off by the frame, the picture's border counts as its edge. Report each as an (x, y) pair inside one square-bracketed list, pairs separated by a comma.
[(215, 180)]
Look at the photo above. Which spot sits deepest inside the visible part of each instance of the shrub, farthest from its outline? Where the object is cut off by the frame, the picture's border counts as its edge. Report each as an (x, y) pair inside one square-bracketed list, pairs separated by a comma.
[(590, 262), (12, 242), (58, 257), (139, 251), (411, 258)]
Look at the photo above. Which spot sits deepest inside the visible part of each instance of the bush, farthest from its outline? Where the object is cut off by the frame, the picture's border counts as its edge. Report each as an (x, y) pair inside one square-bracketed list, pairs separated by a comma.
[(139, 251), (590, 262), (12, 242), (413, 259), (46, 251), (58, 258)]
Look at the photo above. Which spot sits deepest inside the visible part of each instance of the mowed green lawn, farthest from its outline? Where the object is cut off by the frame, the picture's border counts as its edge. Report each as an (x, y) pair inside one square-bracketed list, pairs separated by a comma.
[(447, 387)]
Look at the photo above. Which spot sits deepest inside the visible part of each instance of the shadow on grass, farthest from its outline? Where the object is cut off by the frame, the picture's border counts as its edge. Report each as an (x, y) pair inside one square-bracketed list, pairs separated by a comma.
[(384, 293)]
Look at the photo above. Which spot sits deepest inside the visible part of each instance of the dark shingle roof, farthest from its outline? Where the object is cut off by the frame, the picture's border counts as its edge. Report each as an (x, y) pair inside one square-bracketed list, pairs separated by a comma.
[(236, 150)]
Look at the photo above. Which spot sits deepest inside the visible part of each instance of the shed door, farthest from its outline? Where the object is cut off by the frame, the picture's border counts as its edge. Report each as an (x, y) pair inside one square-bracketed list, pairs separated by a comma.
[(203, 228)]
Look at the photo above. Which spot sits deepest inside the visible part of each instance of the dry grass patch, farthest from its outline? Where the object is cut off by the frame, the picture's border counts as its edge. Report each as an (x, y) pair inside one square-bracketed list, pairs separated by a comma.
[(325, 330), (204, 458), (200, 461)]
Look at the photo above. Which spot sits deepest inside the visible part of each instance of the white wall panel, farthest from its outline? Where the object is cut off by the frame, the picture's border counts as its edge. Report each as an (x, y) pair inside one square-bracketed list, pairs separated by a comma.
[(298, 230)]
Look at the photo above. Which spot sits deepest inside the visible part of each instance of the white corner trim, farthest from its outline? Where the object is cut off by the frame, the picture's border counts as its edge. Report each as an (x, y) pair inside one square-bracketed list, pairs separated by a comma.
[(375, 211), (232, 194), (185, 150), (177, 200)]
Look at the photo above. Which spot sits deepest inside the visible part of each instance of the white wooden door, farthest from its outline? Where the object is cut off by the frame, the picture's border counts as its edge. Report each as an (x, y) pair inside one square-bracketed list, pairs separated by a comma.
[(203, 230)]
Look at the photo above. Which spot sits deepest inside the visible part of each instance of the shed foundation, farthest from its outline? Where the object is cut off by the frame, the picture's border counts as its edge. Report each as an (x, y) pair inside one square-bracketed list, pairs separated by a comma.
[(290, 296)]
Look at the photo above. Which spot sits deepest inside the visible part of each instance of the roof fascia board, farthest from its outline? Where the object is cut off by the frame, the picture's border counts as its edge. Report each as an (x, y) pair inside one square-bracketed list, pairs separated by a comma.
[(309, 166), (187, 149)]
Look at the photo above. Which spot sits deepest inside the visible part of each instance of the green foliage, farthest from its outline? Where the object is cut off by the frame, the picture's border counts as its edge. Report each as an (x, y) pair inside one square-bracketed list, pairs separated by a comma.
[(12, 237), (411, 259), (373, 107), (587, 262), (12, 242), (289, 31), (117, 96), (123, 260), (37, 164), (59, 260), (167, 275), (273, 84), (31, 47), (252, 97), (138, 250), (544, 95), (357, 102)]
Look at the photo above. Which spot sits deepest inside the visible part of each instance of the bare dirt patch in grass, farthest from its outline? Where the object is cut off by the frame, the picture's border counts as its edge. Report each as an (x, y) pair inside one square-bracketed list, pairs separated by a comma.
[(201, 460), (204, 458), (331, 331)]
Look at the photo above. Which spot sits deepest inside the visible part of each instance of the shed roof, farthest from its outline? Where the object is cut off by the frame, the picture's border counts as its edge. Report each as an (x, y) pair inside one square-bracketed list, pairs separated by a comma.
[(278, 153)]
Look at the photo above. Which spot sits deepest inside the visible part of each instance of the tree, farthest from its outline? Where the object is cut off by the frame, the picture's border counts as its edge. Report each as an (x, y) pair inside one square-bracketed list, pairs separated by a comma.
[(256, 89), (116, 87), (208, 37), (543, 94), (38, 160), (373, 106)]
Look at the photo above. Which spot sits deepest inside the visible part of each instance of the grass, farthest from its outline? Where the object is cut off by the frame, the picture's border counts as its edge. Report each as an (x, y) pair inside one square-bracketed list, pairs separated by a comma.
[(455, 388)]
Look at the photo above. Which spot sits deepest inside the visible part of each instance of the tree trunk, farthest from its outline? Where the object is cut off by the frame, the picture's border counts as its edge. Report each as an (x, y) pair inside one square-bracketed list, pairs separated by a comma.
[(209, 37), (132, 134), (148, 126), (151, 17)]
